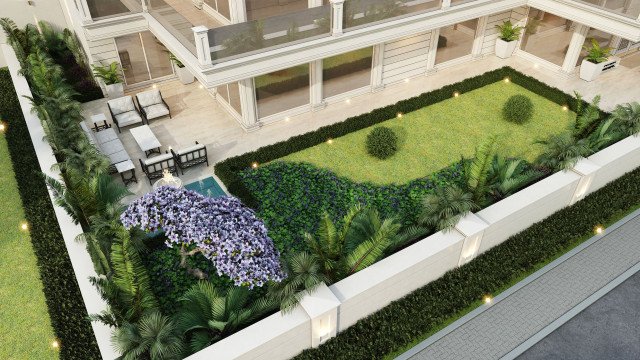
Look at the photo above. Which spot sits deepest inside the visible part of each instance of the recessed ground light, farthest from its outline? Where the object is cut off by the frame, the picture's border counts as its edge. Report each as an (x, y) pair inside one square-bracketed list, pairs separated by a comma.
[(55, 344), (406, 80), (487, 299), (507, 80), (254, 165), (2, 127), (330, 141), (287, 119), (154, 86), (565, 108), (456, 94), (399, 115), (599, 229), (201, 86), (535, 66), (24, 226), (348, 101)]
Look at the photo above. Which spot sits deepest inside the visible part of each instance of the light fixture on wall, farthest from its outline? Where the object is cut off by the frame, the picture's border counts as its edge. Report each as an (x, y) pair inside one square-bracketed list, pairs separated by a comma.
[(324, 330)]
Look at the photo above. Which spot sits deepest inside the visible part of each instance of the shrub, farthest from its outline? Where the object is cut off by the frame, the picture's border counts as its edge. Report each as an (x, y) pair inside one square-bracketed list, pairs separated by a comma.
[(518, 109), (382, 142), (68, 314), (408, 319)]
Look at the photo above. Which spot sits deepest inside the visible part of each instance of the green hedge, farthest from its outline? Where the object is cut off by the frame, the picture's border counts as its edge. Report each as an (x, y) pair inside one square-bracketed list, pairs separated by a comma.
[(229, 169), (66, 307), (422, 311)]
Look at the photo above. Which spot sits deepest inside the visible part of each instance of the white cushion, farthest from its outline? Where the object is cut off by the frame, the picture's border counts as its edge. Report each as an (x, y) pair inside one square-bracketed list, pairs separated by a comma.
[(121, 105), (149, 98), (128, 118), (89, 133), (190, 153), (106, 135), (156, 111), (111, 147), (158, 159), (120, 156)]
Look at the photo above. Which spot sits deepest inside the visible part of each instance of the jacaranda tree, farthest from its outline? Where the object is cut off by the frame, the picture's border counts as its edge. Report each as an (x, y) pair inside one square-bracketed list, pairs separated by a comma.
[(222, 229)]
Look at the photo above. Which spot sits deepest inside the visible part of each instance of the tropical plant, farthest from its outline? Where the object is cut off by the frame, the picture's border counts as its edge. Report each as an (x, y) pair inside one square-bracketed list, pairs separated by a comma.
[(507, 176), (626, 118), (477, 170), (518, 109), (222, 229), (382, 142), (175, 60), (445, 207), (207, 314), (23, 42), (110, 74), (587, 118), (335, 253), (153, 337), (596, 53), (509, 32), (563, 151)]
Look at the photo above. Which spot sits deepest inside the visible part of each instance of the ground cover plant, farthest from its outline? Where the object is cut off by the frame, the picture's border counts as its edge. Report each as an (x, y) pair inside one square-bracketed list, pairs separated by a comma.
[(25, 328), (436, 136)]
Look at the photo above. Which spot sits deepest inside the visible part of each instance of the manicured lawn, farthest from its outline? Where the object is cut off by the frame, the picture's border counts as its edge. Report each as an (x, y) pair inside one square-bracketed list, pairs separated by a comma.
[(25, 329), (438, 135)]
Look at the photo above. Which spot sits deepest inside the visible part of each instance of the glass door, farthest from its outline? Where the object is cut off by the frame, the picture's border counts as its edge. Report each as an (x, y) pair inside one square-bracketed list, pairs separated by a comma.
[(143, 58)]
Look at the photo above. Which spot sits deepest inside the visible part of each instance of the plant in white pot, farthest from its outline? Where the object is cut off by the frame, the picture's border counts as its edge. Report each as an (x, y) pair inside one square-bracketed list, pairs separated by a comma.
[(183, 73), (594, 62), (112, 79), (507, 39)]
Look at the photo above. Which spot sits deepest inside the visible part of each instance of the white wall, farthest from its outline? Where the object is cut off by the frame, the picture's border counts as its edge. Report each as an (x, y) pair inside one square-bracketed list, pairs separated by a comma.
[(22, 13), (615, 160), (405, 58)]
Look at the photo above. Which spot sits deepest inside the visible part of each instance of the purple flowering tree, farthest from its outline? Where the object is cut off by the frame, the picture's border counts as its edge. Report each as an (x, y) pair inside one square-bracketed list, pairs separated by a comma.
[(222, 229)]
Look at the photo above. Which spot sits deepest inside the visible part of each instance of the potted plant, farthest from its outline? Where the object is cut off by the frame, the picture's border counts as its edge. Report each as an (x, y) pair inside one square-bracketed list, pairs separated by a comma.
[(507, 39), (198, 4), (112, 79), (594, 62), (183, 73)]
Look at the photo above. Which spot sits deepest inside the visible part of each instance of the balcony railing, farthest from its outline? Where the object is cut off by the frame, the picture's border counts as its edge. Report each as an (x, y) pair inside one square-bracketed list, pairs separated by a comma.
[(628, 8), (361, 13)]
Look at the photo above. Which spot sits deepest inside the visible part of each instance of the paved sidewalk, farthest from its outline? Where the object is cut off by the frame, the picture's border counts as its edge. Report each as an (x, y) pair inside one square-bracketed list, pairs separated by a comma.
[(493, 331)]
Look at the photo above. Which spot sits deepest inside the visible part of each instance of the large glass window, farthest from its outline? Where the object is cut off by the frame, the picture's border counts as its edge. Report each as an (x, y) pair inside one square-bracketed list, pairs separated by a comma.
[(230, 93), (346, 72), (358, 13), (142, 57), (547, 36), (221, 6), (629, 8), (456, 41), (282, 90), (106, 8), (262, 9)]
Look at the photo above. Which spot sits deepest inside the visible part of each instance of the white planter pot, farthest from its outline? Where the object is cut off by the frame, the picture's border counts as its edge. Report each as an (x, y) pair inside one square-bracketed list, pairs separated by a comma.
[(504, 49), (198, 3), (115, 91), (590, 71), (185, 75)]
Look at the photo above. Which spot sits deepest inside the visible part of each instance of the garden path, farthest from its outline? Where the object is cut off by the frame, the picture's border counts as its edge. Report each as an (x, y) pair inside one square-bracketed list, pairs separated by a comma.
[(525, 313)]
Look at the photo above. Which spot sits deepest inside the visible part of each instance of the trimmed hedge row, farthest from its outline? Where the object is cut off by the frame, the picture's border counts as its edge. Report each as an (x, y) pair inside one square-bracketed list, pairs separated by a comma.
[(228, 170), (420, 312), (66, 307)]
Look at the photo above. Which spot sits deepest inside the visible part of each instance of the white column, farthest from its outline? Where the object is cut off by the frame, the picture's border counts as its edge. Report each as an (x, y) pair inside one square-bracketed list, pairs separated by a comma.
[(575, 47), (203, 50), (317, 97), (377, 67), (481, 28), (238, 11), (433, 49), (84, 11), (337, 17), (446, 4), (248, 105)]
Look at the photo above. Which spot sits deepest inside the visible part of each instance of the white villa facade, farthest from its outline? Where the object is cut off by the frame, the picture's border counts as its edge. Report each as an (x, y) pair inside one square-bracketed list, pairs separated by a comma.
[(265, 61)]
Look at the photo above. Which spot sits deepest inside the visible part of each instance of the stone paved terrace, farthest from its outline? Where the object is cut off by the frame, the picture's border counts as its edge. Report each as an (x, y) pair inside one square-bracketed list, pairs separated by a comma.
[(511, 320), (198, 116)]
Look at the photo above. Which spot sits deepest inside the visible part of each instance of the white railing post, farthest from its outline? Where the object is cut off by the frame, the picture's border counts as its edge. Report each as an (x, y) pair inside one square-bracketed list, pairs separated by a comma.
[(575, 47), (144, 6), (337, 17), (203, 50), (84, 11), (446, 4), (238, 11)]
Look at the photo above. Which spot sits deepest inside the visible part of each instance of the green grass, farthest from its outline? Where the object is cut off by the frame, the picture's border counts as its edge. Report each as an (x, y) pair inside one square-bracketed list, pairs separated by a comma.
[(438, 135), (25, 328)]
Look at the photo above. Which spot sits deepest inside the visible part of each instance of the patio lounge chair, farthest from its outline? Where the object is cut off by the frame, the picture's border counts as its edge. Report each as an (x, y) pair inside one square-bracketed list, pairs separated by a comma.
[(191, 156), (155, 166), (124, 112), (152, 105), (109, 144)]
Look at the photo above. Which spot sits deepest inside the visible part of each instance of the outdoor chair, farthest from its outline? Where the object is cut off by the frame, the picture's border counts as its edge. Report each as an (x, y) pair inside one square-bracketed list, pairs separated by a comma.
[(124, 112), (152, 105), (191, 156), (155, 166)]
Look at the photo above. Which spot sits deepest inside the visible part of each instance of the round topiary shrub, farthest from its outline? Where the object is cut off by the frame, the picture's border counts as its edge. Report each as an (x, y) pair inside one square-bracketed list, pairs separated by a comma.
[(382, 142), (518, 109)]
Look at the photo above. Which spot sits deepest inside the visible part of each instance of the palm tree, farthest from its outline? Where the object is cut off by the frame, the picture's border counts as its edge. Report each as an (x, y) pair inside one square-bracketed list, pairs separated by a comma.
[(443, 209), (563, 151), (207, 314), (154, 337), (508, 176), (627, 118)]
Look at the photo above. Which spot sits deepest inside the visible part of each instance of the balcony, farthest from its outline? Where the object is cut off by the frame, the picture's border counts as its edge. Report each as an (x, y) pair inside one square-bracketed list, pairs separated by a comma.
[(627, 8)]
